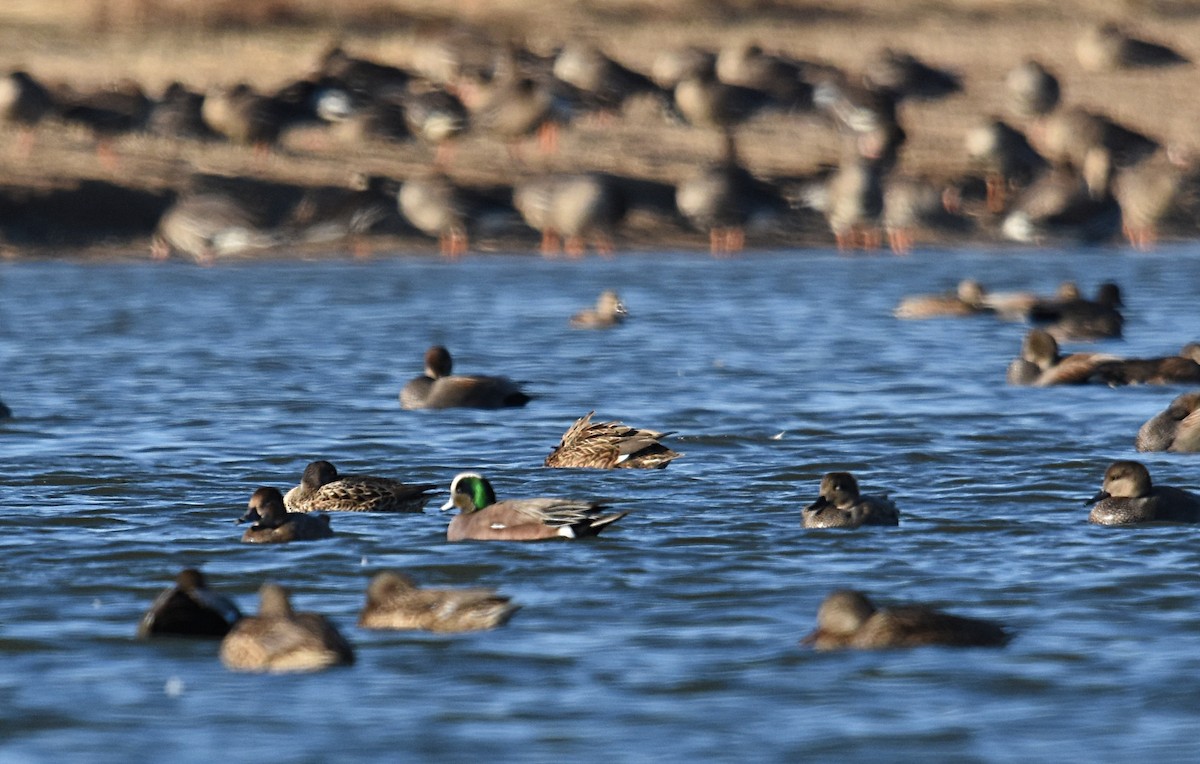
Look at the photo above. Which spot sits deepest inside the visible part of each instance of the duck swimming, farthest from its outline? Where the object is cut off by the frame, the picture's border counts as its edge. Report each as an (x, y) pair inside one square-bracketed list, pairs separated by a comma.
[(323, 489), (1127, 496), (848, 619), (273, 524), (189, 609), (279, 639), (482, 518), (1175, 429), (610, 445), (437, 389), (840, 505), (394, 601)]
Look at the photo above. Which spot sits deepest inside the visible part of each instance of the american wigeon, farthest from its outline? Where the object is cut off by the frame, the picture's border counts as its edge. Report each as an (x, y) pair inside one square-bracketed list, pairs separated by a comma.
[(840, 505), (438, 389), (280, 640), (394, 601), (273, 524), (610, 445), (189, 609), (968, 299), (1041, 365), (609, 312), (322, 489), (1177, 428), (848, 619), (482, 518), (1127, 496)]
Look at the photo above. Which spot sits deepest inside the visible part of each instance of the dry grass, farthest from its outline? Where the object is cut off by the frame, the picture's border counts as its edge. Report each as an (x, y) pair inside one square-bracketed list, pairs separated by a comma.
[(205, 42)]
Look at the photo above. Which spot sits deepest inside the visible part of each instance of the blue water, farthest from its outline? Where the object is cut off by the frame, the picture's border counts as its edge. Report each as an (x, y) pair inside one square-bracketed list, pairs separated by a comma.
[(151, 400)]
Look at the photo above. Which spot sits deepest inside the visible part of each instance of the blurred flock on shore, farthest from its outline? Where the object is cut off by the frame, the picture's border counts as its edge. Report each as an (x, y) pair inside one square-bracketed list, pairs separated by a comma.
[(206, 128)]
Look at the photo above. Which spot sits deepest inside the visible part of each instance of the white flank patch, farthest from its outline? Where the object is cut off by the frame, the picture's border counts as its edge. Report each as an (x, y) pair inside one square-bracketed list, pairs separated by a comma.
[(498, 526), (567, 532)]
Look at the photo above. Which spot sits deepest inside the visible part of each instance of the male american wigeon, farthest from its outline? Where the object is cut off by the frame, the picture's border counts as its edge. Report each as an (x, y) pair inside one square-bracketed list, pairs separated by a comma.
[(1177, 428), (840, 505), (482, 518), (394, 601), (323, 489), (610, 445), (438, 389), (273, 524), (1127, 496), (847, 619), (280, 640), (189, 609)]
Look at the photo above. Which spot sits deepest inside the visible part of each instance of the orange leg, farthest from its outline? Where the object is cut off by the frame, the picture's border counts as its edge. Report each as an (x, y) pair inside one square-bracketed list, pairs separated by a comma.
[(604, 245), (735, 239), (996, 193), (551, 245), (575, 247), (547, 137)]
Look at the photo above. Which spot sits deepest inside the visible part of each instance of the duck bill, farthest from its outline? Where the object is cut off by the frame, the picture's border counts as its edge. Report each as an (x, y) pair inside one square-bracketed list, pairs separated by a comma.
[(1098, 497), (820, 503), (810, 639), (448, 505), (251, 516)]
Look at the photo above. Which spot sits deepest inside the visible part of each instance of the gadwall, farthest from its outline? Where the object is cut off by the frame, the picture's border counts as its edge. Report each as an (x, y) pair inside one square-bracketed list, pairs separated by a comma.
[(1041, 365), (451, 213), (1170, 370), (322, 489), (482, 518), (1080, 318), (609, 312), (840, 505), (438, 389), (968, 299), (273, 524), (576, 207), (394, 601), (1175, 429), (906, 76), (279, 639), (610, 445), (1147, 192), (1066, 204), (1033, 90), (209, 225), (1106, 47), (189, 609), (1008, 160), (1127, 497), (848, 619)]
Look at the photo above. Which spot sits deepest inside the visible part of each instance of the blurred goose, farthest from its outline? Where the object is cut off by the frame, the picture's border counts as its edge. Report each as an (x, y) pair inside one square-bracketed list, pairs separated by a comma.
[(969, 299), (855, 202), (273, 524), (242, 116), (439, 207), (674, 65), (482, 518), (394, 601), (177, 114), (112, 111), (1107, 47), (1064, 204), (513, 107), (1171, 370), (1071, 136), (437, 117), (605, 82), (1082, 319), (785, 80), (362, 75), (1041, 365), (279, 639), (322, 489), (24, 102), (865, 117), (610, 445), (205, 226), (1033, 90), (912, 205), (1147, 192), (848, 619), (1006, 157), (840, 505), (189, 609), (334, 213), (725, 199), (609, 312), (438, 389), (577, 207), (906, 76), (1177, 428), (1127, 496), (705, 101)]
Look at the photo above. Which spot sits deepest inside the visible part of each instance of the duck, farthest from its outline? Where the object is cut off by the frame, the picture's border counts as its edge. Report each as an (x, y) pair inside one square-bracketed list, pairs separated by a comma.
[(394, 601), (438, 389), (1007, 158), (280, 640), (482, 518), (322, 489), (840, 505), (1107, 47), (1082, 319), (1170, 370), (968, 299), (609, 312), (847, 619), (1176, 428), (576, 207), (1033, 90), (189, 609), (1127, 497), (1017, 305), (610, 445), (273, 524), (209, 225), (1041, 365)]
